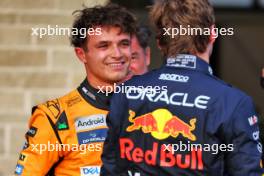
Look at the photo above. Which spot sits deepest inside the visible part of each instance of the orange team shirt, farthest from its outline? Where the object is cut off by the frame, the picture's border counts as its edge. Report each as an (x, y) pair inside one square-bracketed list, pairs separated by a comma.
[(66, 135)]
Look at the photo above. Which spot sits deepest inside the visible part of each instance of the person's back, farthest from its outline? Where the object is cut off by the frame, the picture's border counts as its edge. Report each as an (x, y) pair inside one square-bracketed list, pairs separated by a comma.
[(191, 107), (180, 119)]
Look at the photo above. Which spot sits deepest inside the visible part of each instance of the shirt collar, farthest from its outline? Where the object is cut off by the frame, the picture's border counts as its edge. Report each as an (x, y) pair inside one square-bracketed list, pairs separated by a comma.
[(186, 61), (94, 96)]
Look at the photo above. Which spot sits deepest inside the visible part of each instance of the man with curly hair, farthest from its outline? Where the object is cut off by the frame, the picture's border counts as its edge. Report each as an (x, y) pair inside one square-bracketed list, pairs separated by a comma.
[(66, 134)]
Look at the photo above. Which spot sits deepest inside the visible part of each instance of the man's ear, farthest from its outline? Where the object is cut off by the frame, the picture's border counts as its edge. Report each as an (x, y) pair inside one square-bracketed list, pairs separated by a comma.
[(213, 34), (80, 53), (148, 55)]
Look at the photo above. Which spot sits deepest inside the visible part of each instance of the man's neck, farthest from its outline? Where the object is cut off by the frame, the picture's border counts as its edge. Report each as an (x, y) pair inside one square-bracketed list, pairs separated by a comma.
[(99, 85), (204, 56)]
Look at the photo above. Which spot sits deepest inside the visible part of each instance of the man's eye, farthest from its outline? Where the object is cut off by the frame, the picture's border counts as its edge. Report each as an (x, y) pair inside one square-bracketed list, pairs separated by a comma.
[(126, 43), (102, 46), (134, 56)]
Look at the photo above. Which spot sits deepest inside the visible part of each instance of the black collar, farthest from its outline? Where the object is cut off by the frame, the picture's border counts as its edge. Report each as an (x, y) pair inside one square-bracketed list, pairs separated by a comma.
[(94, 96), (192, 62)]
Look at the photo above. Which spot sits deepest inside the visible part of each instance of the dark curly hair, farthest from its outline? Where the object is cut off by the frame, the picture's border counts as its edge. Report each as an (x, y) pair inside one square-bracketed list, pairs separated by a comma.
[(99, 16)]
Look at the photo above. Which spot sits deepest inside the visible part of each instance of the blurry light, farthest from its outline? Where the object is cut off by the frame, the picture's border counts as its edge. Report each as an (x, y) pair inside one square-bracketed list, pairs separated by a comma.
[(261, 3)]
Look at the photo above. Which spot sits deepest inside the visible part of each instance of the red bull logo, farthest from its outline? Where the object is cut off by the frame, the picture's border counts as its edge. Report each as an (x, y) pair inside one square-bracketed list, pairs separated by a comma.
[(161, 124), (192, 159), (147, 122)]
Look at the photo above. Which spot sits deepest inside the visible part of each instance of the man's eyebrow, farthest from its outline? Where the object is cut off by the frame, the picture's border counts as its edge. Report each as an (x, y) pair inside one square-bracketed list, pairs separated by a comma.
[(102, 42), (126, 39)]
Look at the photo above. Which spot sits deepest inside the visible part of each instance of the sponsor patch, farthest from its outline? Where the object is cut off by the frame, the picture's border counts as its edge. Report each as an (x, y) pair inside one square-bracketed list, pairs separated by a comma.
[(255, 135), (90, 171), (26, 145), (92, 136), (169, 126), (90, 122), (22, 157), (73, 101), (91, 129), (54, 107), (131, 174), (32, 131), (88, 93), (259, 146), (210, 70), (175, 98), (62, 123), (182, 61), (252, 120), (173, 77), (19, 169)]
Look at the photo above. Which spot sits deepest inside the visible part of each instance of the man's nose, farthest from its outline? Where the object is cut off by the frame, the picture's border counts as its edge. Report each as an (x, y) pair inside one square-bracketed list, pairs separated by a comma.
[(116, 52)]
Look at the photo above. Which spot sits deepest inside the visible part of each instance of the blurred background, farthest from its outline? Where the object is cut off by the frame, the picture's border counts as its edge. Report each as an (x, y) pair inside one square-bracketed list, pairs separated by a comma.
[(34, 69)]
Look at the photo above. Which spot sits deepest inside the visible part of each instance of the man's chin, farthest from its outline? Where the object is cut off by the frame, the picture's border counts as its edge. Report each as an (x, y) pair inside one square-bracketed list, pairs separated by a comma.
[(118, 78)]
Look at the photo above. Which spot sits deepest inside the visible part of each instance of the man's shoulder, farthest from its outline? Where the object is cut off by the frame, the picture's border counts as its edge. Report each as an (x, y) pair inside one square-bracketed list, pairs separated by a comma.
[(228, 89), (55, 107), (226, 95), (200, 83)]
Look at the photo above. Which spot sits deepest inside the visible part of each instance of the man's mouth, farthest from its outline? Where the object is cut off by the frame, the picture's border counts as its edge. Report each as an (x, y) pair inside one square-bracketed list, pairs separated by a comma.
[(117, 65)]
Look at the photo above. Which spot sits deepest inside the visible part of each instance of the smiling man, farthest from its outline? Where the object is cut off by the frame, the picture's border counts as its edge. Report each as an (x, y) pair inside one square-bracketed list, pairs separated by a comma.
[(65, 135), (106, 56)]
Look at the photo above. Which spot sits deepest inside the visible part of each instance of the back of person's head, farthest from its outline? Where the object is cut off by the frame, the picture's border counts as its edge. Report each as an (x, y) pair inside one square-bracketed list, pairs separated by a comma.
[(143, 35), (111, 15), (182, 13)]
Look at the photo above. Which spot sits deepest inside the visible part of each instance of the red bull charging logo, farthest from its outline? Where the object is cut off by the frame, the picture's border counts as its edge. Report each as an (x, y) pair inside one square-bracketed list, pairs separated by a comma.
[(161, 124)]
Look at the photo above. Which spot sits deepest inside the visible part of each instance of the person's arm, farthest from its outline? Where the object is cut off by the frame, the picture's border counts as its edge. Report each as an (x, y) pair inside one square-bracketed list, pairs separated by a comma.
[(243, 130), (33, 159), (118, 111)]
